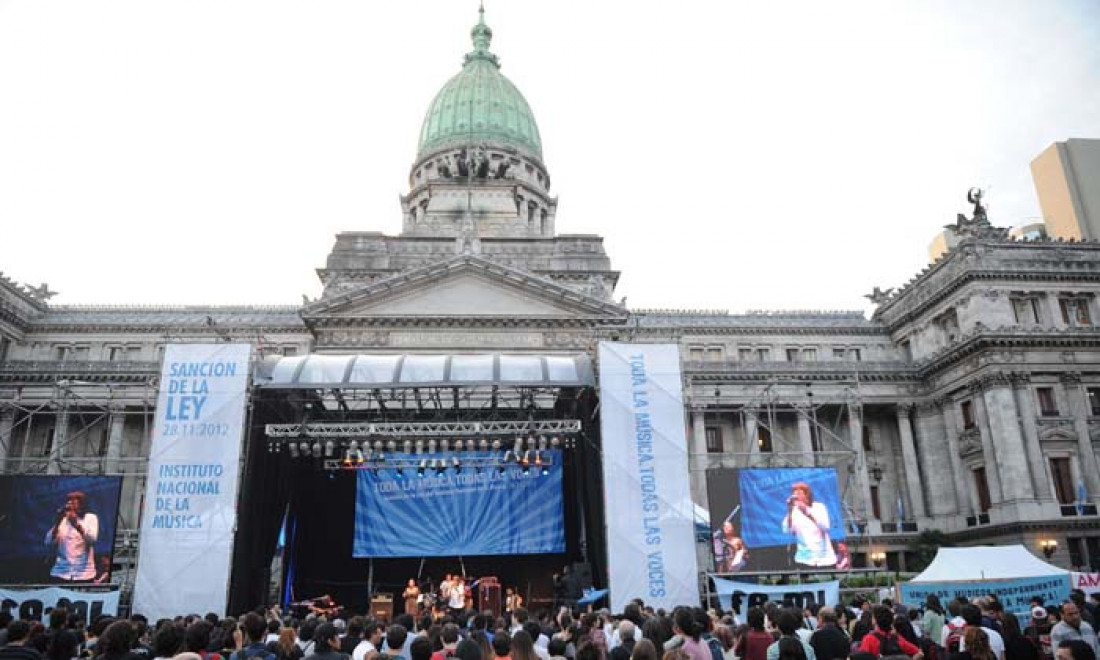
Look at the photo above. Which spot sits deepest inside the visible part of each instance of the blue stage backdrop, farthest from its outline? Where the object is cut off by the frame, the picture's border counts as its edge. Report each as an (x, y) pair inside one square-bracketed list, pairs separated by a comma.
[(764, 496), (469, 513), (28, 509)]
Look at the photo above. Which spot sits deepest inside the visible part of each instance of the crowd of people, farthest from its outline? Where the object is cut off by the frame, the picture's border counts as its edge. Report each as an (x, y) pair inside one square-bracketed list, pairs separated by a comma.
[(962, 630)]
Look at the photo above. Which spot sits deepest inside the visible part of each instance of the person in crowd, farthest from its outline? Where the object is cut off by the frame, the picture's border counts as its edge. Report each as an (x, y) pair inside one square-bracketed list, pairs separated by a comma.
[(1017, 645), (791, 648), (675, 654), (541, 640), (808, 521), (905, 629), (421, 648), (502, 645), (523, 647), (354, 635), (933, 620), (1038, 631), (117, 641), (643, 650), (754, 644), (167, 641), (688, 630), (1077, 597), (16, 648), (482, 640), (468, 650), (448, 642), (1075, 649), (274, 627), (284, 646), (883, 640), (624, 648), (862, 626), (64, 645), (326, 642), (254, 631), (788, 621), (368, 646), (977, 644), (73, 535), (1072, 627), (725, 636), (397, 640), (556, 649), (829, 641), (954, 629), (972, 615)]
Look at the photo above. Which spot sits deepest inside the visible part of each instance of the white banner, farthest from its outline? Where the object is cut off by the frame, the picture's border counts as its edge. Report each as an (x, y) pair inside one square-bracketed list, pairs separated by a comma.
[(190, 506), (36, 604), (738, 597), (1086, 582), (650, 532)]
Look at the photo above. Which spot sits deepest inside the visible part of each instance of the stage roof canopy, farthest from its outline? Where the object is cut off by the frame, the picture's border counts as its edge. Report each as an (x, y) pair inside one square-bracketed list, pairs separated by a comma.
[(388, 371)]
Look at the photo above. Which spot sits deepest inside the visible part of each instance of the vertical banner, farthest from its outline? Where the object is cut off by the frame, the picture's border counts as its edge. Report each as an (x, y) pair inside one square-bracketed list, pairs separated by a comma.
[(191, 495), (650, 530)]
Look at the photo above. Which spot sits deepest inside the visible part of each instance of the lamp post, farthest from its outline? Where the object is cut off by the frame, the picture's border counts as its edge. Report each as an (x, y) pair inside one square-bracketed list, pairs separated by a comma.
[(1049, 547)]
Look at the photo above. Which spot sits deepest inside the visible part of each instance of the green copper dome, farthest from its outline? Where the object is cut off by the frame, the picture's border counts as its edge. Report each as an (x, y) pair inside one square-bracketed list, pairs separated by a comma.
[(480, 105)]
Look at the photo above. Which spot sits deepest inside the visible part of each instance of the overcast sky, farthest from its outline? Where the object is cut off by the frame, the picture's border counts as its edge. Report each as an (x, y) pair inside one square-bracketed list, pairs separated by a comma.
[(734, 155)]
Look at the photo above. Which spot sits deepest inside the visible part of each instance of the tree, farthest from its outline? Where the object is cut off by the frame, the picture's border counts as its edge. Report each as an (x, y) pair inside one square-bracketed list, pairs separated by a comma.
[(925, 545)]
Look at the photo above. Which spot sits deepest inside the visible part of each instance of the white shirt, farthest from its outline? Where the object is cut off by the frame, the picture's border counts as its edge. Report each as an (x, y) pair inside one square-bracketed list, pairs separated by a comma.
[(458, 597), (75, 551), (996, 642), (362, 649), (814, 546)]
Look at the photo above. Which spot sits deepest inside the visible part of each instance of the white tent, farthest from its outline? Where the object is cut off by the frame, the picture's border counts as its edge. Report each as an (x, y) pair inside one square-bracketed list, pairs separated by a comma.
[(986, 562)]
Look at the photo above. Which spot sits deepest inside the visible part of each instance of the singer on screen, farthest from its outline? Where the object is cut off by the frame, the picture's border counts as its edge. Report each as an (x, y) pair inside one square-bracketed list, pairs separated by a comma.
[(809, 522), (74, 533)]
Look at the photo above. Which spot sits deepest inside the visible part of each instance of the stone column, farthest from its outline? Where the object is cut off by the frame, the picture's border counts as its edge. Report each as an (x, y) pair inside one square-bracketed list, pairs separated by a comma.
[(935, 480), (855, 435), (805, 439), (909, 459), (698, 432), (114, 441), (7, 427), (60, 437), (1025, 404), (750, 432), (992, 474), (1004, 425), (951, 426), (1079, 407)]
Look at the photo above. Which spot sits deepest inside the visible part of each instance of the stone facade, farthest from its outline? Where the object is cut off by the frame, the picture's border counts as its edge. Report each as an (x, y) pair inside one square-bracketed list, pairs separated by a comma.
[(968, 403)]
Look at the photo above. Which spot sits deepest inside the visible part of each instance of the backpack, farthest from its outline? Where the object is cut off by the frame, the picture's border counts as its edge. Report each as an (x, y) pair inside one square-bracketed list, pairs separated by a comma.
[(888, 645), (930, 649), (954, 638)]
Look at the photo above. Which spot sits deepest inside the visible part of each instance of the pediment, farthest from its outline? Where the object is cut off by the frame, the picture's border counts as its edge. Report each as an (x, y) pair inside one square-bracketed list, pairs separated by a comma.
[(464, 286)]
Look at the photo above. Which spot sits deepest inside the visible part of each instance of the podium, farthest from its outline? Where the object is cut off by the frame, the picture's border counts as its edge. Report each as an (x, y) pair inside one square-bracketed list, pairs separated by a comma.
[(488, 595), (381, 607)]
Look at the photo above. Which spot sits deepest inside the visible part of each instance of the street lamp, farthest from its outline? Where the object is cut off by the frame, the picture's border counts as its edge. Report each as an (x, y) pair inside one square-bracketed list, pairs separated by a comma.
[(1049, 547), (878, 559)]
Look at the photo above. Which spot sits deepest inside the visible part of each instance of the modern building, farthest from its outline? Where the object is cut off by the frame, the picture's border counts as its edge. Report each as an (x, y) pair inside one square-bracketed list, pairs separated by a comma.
[(1066, 176), (968, 403)]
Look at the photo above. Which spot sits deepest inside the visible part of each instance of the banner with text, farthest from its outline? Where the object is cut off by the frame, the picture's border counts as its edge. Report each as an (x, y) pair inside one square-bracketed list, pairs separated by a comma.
[(738, 597), (1086, 582), (1015, 595), (647, 496), (191, 495), (513, 511), (36, 604)]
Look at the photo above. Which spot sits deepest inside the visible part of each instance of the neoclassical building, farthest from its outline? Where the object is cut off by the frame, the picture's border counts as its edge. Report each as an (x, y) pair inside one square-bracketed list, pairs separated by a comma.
[(968, 403)]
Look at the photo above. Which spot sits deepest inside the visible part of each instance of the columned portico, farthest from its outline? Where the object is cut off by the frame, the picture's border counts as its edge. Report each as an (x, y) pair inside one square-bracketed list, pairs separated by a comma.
[(909, 456)]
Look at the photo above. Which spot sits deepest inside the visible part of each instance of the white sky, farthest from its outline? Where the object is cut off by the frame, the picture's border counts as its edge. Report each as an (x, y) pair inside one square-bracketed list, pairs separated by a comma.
[(781, 155)]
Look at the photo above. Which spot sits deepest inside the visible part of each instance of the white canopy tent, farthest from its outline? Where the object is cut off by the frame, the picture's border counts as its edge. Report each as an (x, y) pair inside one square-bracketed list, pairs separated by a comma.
[(986, 562)]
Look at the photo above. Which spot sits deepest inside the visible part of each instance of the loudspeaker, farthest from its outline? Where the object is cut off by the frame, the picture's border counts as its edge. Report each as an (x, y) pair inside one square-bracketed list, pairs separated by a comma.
[(381, 607), (488, 595)]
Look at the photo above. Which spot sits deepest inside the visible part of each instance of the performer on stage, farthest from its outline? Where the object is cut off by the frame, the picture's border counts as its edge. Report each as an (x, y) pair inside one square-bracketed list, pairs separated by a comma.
[(809, 522), (457, 600), (512, 600), (730, 554), (74, 533), (411, 595)]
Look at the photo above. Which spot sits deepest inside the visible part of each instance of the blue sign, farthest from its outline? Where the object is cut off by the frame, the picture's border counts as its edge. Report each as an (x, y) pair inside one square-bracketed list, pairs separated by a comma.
[(1015, 595), (764, 502), (472, 512)]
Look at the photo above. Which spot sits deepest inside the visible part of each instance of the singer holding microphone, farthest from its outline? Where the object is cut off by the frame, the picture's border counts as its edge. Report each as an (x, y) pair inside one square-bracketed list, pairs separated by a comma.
[(74, 534), (809, 522)]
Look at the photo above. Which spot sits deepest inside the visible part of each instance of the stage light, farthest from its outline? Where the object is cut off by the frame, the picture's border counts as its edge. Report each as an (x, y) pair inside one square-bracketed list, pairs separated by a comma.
[(317, 449), (526, 459), (379, 446), (444, 444), (542, 443), (399, 473), (392, 445), (420, 446), (526, 469), (456, 465), (532, 442), (440, 467), (359, 457), (459, 445), (432, 446), (538, 458), (347, 459), (519, 446), (408, 446), (304, 448), (555, 441), (496, 444), (484, 444), (353, 446), (545, 469), (293, 449), (421, 467), (330, 448)]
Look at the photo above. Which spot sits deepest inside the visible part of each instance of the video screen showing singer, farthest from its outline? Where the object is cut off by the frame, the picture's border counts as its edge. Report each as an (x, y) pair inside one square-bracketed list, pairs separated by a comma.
[(808, 521), (73, 535)]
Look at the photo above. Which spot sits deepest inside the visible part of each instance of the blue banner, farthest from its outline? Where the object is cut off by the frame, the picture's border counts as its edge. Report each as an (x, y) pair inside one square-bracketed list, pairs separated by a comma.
[(1015, 595), (472, 512), (765, 495)]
